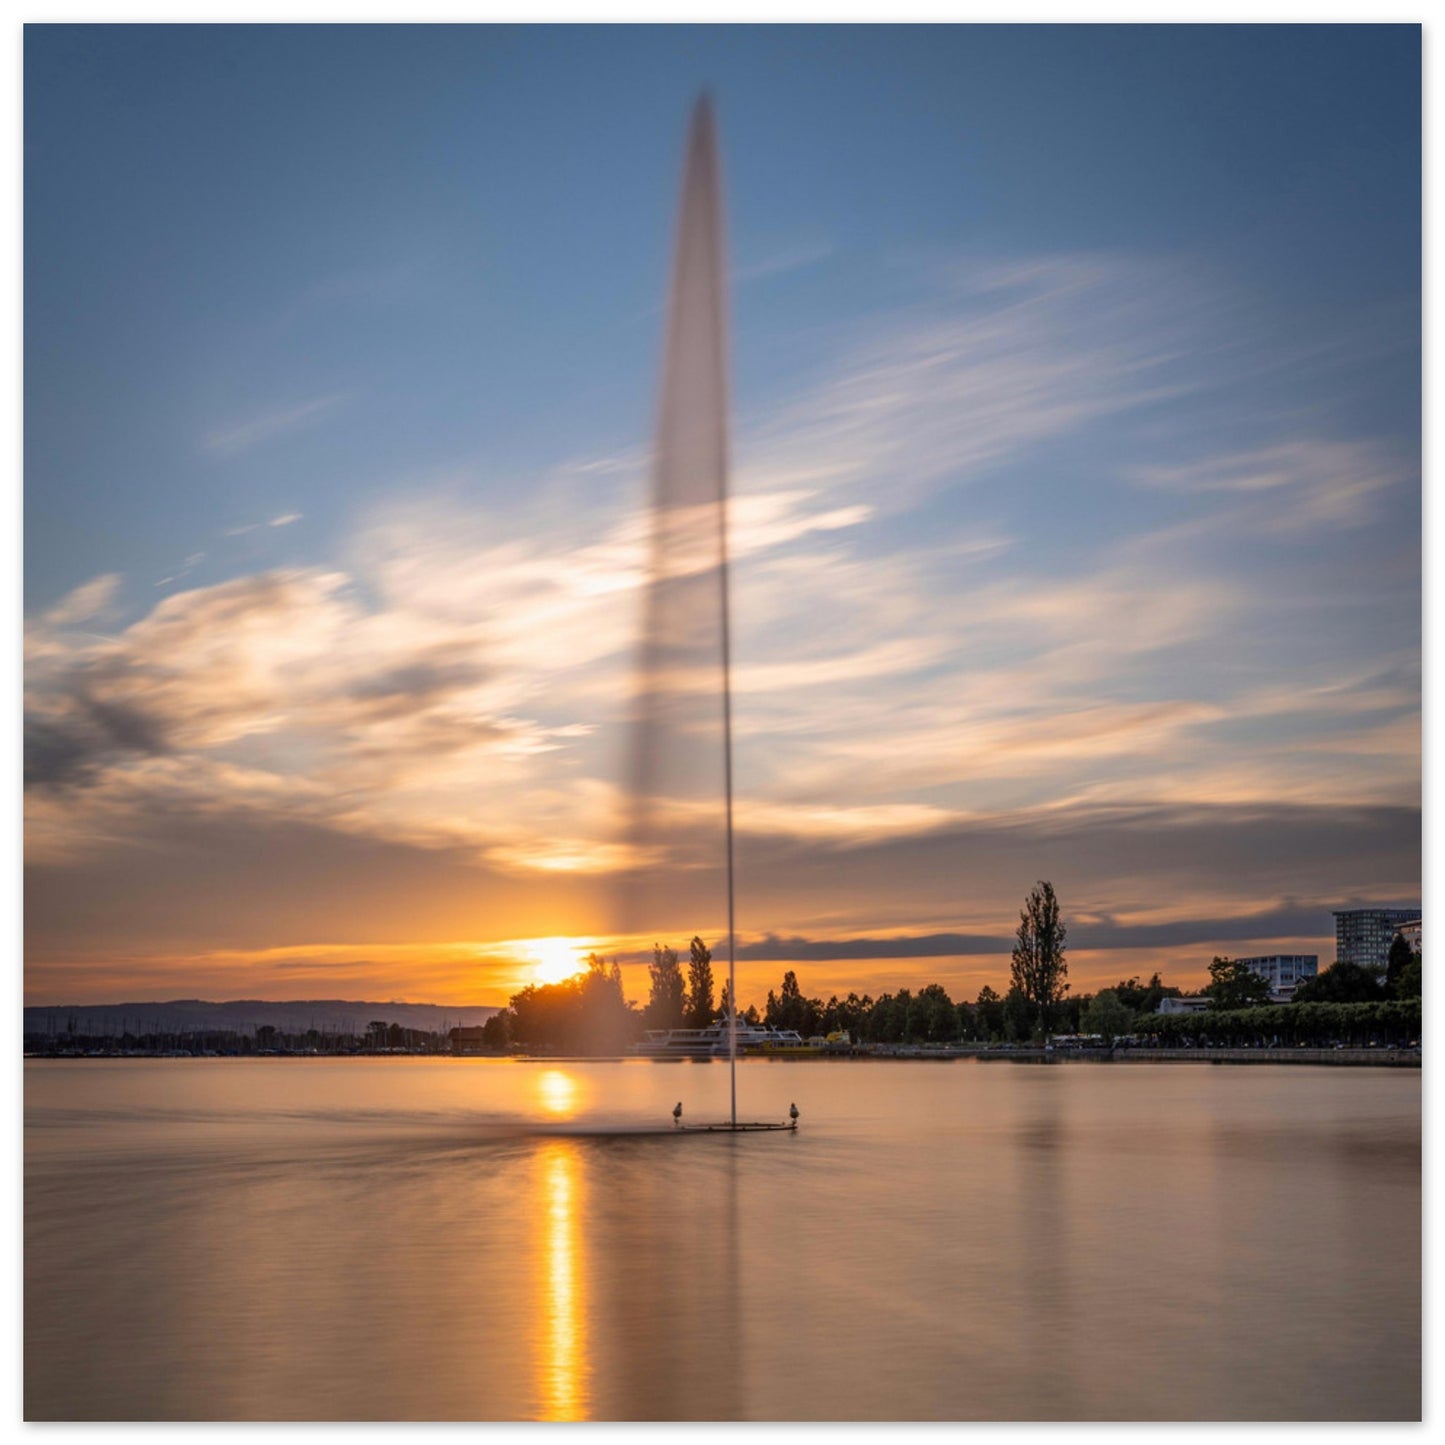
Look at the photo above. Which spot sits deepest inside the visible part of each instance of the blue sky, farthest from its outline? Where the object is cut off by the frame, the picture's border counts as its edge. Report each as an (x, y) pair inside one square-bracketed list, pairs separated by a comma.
[(1077, 411)]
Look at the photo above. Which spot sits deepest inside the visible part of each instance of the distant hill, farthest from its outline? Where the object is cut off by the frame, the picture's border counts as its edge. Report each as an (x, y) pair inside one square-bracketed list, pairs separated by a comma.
[(185, 1015)]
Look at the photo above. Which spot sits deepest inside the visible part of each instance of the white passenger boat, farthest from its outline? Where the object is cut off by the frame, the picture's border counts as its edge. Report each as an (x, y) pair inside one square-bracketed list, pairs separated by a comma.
[(713, 1042)]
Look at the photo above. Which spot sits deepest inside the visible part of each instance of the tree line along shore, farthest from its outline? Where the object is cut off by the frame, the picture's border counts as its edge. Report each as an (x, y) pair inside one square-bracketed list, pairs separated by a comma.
[(589, 1015), (1345, 1005)]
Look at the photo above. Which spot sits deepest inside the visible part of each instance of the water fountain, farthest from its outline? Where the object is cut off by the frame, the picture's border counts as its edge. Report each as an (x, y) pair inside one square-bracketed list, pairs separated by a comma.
[(681, 783)]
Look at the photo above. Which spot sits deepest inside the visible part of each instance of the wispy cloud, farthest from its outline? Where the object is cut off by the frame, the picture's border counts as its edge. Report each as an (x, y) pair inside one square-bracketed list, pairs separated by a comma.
[(1012, 358), (785, 259), (934, 669), (233, 441), (285, 519), (184, 570), (430, 683), (390, 700), (358, 286), (1306, 483), (92, 599)]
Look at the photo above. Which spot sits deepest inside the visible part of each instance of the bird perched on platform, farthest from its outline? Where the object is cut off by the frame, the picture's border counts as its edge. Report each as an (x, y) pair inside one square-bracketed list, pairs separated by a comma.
[(793, 1112), (677, 1114)]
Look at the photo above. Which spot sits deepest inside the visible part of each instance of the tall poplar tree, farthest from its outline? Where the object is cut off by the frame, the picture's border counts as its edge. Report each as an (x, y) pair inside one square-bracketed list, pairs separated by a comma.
[(700, 1010), (1039, 971), (667, 998)]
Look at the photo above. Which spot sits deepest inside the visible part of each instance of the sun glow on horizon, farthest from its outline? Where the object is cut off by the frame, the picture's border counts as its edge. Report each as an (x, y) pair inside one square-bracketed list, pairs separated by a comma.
[(552, 959)]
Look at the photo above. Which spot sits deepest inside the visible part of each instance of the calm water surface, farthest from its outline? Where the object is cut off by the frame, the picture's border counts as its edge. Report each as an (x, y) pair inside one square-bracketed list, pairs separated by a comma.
[(460, 1239)]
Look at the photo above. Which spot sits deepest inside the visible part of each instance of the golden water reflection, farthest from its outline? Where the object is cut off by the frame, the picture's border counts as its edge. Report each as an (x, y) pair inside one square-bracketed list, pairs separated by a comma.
[(557, 1092), (913, 1253), (561, 1382)]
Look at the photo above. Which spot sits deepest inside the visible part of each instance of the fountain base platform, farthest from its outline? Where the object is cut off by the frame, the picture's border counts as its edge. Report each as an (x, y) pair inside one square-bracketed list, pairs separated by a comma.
[(790, 1128)]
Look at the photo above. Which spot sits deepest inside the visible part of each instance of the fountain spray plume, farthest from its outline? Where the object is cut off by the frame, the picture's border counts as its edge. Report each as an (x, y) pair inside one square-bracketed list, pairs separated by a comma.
[(679, 830)]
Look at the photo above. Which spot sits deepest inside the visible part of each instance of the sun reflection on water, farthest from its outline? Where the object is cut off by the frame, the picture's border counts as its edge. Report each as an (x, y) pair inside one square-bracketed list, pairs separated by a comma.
[(558, 1092), (561, 1382)]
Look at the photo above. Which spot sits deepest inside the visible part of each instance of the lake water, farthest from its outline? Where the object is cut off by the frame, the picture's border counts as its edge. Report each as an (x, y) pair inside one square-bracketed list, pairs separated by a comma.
[(418, 1239)]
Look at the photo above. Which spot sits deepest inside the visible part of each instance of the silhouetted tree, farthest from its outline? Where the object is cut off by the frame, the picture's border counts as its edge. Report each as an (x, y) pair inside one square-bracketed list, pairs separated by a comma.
[(843, 1014), (1342, 983), (1407, 985), (1019, 1016), (1069, 1012), (935, 1018), (1038, 970), (587, 1014), (989, 1013), (853, 1011), (1234, 985), (1394, 1021), (790, 1010), (610, 1023), (888, 1019), (699, 1010), (667, 999), (1400, 955), (1144, 998), (1107, 1015)]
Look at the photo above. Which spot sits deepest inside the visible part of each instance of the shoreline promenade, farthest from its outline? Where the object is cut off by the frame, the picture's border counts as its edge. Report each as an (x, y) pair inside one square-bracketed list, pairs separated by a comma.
[(1359, 1057)]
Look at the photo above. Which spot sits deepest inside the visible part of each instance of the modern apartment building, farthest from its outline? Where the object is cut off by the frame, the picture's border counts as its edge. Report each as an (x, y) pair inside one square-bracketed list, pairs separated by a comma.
[(1284, 972), (1364, 935)]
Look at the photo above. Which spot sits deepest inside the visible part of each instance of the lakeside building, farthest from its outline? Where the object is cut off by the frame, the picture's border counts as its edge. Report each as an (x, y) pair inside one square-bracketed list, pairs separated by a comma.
[(1182, 1006), (1284, 972), (468, 1041), (1364, 935)]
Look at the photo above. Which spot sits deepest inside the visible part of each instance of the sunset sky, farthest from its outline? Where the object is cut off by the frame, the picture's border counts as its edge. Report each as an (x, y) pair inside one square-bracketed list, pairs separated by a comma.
[(1076, 382)]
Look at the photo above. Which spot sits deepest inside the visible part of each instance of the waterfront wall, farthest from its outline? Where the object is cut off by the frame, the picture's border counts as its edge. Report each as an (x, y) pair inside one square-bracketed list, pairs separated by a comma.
[(1397, 1058)]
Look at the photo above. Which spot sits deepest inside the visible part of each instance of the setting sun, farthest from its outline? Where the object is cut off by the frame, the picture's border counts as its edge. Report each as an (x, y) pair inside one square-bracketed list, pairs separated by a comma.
[(552, 959)]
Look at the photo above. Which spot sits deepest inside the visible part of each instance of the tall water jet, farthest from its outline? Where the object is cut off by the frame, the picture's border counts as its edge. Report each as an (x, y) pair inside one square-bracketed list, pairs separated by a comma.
[(680, 803)]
